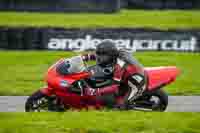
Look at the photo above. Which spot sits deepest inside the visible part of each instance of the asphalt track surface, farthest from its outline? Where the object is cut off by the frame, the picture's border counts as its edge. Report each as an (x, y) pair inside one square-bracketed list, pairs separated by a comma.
[(176, 103)]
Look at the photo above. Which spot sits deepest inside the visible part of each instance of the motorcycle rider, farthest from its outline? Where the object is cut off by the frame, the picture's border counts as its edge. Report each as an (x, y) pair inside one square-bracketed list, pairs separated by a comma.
[(127, 73)]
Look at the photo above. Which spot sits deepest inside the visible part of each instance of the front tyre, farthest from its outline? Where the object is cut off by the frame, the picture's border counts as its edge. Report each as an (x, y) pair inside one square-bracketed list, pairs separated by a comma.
[(37, 102)]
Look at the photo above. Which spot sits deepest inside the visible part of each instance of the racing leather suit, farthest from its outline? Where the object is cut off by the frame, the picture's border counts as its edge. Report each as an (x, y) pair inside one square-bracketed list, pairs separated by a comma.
[(128, 75)]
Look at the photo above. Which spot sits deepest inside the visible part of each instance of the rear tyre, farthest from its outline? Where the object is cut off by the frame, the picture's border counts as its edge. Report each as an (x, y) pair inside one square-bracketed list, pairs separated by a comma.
[(159, 98), (151, 101)]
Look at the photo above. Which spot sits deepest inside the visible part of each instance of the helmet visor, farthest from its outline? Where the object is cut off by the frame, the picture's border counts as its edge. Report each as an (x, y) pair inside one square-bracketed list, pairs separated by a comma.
[(104, 59)]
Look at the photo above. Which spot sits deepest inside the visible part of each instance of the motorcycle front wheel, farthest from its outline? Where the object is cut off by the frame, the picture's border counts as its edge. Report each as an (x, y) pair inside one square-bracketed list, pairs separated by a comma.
[(38, 102)]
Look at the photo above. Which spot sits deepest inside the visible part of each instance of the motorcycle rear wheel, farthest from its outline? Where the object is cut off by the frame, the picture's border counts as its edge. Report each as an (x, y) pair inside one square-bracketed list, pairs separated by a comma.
[(152, 101), (163, 100)]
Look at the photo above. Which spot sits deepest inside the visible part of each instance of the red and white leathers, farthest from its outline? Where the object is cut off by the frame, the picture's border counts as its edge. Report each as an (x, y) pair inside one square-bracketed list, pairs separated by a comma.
[(129, 77)]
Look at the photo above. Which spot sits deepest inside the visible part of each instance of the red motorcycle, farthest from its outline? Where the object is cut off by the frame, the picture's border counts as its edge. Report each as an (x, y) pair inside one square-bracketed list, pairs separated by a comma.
[(69, 93)]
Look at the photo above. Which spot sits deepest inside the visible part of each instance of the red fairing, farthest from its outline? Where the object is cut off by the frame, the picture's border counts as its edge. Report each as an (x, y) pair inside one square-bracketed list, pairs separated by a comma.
[(52, 75), (159, 76), (54, 79)]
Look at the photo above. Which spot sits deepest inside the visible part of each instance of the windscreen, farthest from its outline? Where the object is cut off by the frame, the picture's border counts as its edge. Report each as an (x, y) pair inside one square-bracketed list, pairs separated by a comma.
[(76, 64)]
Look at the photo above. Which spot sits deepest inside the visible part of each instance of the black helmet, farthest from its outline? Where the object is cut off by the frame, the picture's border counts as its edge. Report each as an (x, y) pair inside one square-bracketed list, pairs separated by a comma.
[(106, 53)]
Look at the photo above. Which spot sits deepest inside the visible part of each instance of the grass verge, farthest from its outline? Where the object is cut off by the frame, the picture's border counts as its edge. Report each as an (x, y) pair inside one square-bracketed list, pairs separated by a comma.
[(100, 122), (168, 19)]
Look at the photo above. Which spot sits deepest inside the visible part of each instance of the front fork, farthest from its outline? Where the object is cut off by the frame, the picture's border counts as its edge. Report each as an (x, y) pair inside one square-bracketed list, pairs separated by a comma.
[(55, 103)]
